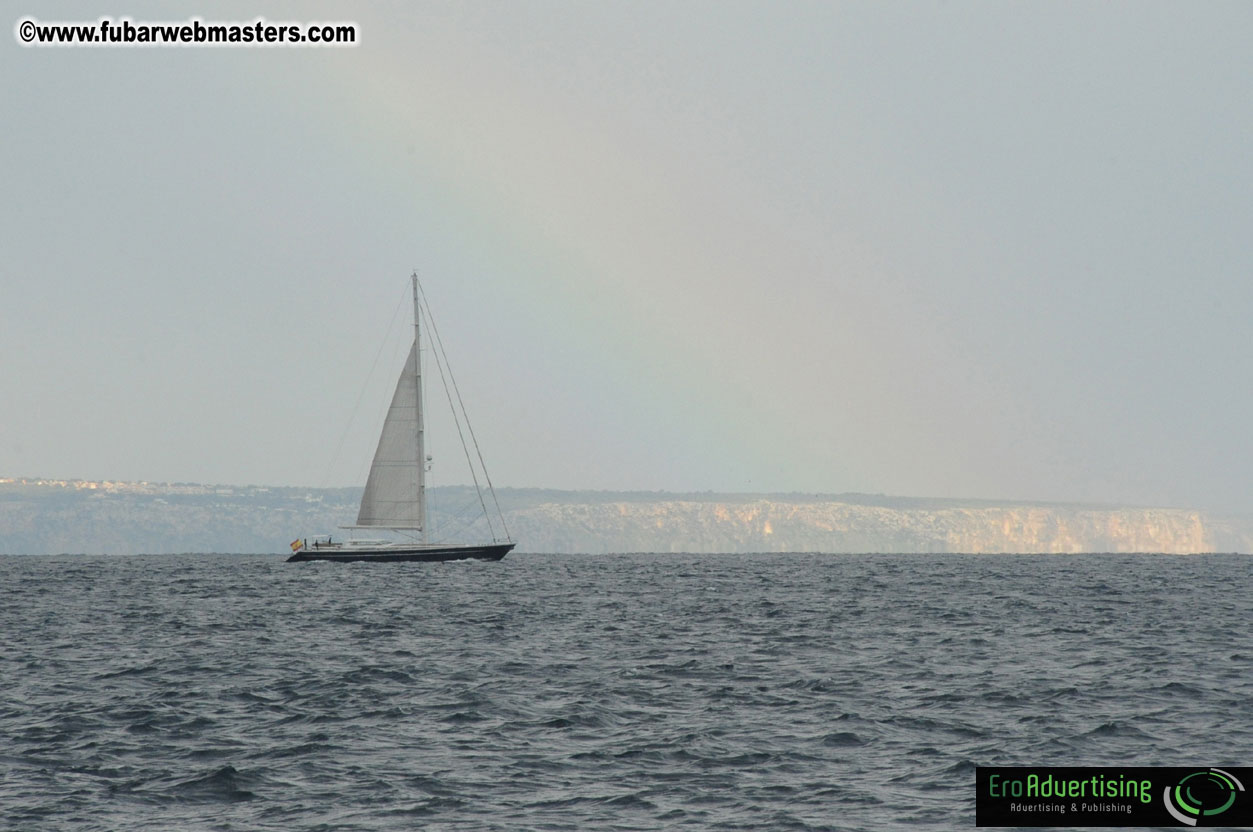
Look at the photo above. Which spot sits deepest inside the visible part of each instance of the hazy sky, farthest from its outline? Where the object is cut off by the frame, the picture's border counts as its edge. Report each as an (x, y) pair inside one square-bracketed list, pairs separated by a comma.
[(955, 249)]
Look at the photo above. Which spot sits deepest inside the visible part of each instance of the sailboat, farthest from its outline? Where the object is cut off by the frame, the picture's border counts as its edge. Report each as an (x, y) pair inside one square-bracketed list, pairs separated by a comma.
[(395, 491)]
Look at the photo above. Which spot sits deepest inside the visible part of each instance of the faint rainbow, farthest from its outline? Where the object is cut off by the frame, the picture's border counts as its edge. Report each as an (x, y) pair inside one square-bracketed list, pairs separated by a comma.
[(504, 222)]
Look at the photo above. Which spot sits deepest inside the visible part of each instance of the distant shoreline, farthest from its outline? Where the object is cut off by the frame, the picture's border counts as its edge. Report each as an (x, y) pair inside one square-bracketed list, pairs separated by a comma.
[(42, 515), (580, 495)]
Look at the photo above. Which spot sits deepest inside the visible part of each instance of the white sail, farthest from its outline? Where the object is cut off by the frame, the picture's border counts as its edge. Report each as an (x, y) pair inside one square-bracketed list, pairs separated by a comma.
[(392, 496)]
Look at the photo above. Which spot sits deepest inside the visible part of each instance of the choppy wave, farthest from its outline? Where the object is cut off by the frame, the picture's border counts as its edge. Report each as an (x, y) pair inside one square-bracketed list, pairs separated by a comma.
[(571, 692)]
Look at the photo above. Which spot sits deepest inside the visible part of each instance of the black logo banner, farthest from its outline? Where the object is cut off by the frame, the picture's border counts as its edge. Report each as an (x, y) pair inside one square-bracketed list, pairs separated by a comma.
[(1113, 796)]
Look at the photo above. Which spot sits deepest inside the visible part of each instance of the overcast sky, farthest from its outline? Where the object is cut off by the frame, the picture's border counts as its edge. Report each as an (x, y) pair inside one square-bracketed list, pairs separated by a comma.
[(959, 249)]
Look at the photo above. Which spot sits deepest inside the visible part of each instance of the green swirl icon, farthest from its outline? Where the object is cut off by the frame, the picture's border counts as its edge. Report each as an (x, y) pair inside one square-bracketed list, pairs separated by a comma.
[(1202, 795)]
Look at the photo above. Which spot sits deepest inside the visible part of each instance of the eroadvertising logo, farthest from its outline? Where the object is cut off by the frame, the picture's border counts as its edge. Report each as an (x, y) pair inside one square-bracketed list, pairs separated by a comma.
[(1203, 795), (1112, 796)]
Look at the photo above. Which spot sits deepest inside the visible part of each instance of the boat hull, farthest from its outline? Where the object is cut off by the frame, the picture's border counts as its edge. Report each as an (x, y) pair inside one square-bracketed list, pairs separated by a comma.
[(428, 554)]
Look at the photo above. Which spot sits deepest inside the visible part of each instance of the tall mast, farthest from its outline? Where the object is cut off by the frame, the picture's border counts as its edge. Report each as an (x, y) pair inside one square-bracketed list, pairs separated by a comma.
[(417, 369)]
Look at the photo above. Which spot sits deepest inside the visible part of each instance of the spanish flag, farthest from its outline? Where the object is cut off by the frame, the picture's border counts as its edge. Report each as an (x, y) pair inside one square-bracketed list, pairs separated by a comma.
[(297, 545)]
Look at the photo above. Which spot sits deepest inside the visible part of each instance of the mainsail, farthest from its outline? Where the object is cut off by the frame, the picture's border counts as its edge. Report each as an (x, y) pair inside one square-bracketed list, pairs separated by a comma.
[(391, 496)]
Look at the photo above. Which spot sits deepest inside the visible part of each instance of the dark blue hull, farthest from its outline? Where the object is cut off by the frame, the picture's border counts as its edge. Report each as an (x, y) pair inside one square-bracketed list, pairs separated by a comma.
[(492, 551)]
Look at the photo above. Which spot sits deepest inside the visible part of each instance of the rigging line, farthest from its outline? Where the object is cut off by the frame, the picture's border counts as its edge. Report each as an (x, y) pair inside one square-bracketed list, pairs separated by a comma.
[(405, 533), (440, 343), (426, 314), (361, 395), (449, 531), (441, 364), (462, 510), (446, 518)]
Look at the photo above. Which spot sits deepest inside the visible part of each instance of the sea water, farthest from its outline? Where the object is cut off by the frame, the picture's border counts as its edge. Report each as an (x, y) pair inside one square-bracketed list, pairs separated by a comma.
[(780, 692)]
